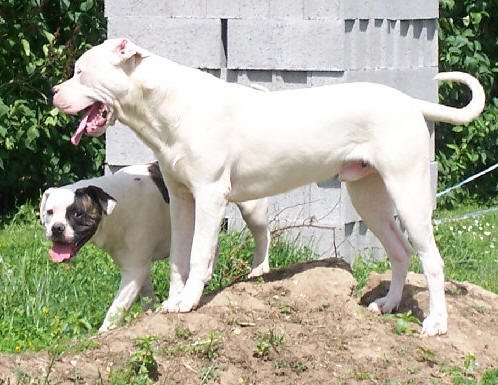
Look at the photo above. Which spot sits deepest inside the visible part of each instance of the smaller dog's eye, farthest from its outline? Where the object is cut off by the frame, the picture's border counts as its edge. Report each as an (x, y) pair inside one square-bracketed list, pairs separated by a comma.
[(77, 214)]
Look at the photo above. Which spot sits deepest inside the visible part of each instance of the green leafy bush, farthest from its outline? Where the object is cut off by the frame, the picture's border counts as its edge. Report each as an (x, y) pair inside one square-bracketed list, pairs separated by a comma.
[(39, 42), (468, 37)]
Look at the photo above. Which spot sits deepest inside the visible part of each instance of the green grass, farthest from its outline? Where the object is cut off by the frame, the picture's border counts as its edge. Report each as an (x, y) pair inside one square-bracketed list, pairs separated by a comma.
[(43, 304), (469, 248)]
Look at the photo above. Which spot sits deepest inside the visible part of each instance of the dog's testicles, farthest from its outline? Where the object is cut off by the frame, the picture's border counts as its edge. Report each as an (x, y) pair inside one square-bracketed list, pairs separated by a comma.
[(352, 171)]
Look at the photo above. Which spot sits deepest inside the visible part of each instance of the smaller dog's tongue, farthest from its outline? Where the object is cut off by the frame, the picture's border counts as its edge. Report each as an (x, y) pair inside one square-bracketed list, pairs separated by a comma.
[(61, 251)]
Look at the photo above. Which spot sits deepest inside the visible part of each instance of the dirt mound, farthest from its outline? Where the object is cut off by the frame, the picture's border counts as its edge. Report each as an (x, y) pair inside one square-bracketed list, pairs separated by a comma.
[(301, 325)]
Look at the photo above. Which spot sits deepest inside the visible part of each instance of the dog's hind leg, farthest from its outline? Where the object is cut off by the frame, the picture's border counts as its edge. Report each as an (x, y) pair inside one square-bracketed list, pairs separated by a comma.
[(373, 203), (255, 214), (412, 198), (147, 296), (132, 280)]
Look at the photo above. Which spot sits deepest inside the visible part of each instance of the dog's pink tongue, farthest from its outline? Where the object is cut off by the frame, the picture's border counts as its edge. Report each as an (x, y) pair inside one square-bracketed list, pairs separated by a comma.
[(75, 139), (61, 252)]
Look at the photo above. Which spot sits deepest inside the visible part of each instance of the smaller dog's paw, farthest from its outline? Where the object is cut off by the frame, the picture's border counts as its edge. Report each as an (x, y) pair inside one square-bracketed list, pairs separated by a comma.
[(258, 271), (434, 325), (106, 327)]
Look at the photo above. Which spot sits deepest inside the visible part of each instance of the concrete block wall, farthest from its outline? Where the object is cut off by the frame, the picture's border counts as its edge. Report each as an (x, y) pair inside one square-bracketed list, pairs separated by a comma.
[(284, 44)]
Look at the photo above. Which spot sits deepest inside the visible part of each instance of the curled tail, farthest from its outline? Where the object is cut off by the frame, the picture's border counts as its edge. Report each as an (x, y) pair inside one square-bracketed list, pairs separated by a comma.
[(440, 113)]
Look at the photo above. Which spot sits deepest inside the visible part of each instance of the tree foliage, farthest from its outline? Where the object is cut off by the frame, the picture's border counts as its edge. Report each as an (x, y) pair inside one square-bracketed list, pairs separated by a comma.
[(39, 42), (468, 41)]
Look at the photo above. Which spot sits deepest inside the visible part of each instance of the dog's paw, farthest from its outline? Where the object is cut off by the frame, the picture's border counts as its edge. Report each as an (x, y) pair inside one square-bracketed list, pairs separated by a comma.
[(384, 305), (106, 327), (188, 300), (434, 325), (259, 271), (170, 305), (177, 305)]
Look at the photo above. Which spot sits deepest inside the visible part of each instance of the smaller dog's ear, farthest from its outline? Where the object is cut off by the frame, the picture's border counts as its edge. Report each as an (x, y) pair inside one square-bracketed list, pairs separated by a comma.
[(44, 202), (106, 202), (127, 50)]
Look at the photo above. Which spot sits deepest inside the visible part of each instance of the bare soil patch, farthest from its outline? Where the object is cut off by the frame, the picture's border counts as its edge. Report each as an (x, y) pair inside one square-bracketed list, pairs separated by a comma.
[(300, 325)]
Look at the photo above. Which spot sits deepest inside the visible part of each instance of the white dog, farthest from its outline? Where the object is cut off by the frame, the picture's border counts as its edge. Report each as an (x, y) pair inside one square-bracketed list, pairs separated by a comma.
[(137, 232), (218, 142)]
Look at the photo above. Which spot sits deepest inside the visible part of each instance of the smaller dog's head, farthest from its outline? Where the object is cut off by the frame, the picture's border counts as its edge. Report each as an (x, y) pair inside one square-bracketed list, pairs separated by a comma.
[(71, 218)]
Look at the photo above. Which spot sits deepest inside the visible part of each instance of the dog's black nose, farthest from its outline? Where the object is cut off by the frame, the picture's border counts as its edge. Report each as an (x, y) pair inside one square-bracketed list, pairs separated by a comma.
[(58, 228), (54, 90)]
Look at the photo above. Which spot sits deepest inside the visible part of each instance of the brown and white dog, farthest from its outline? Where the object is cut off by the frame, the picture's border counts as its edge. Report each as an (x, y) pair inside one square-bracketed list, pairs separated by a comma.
[(127, 215), (220, 142)]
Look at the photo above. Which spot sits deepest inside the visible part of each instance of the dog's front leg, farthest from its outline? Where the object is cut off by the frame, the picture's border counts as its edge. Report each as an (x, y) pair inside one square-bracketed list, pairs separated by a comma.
[(182, 231), (132, 280), (210, 204)]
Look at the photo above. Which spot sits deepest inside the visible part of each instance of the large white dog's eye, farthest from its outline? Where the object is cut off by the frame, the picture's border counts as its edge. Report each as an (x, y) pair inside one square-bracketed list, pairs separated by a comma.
[(78, 71), (50, 212)]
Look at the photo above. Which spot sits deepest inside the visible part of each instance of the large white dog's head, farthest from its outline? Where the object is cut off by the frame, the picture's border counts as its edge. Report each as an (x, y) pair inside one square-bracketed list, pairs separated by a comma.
[(101, 77), (71, 218)]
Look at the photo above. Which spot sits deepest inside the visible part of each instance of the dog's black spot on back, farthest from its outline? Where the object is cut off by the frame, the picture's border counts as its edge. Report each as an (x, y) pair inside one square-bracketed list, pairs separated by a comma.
[(84, 216), (157, 177)]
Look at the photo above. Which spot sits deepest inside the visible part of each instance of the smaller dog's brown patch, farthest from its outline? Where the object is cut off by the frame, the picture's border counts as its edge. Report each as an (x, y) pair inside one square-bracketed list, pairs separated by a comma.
[(157, 177)]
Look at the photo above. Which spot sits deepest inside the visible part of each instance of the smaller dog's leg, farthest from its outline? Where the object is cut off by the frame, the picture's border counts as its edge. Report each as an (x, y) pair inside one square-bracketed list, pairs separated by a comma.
[(210, 206), (132, 280), (182, 230), (255, 214), (147, 295)]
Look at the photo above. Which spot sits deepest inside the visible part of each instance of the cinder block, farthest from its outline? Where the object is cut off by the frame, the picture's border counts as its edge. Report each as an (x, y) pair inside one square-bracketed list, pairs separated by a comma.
[(290, 209), (323, 78), (123, 147), (408, 81), (254, 9), (325, 203), (374, 44), (390, 9), (272, 80), (286, 9), (222, 9), (156, 8), (285, 44), (322, 9), (172, 38), (284, 80), (249, 77)]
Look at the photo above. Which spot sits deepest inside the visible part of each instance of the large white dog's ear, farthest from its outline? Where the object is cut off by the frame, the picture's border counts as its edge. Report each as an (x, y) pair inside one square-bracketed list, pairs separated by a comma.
[(43, 203), (126, 50)]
